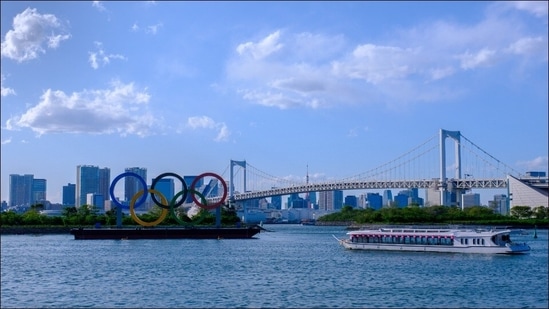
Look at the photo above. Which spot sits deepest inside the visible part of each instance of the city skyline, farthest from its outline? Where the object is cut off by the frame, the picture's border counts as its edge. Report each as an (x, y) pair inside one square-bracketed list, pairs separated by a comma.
[(319, 88)]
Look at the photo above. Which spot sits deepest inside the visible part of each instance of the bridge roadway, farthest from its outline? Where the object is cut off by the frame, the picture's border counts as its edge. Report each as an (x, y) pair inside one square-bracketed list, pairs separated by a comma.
[(390, 184)]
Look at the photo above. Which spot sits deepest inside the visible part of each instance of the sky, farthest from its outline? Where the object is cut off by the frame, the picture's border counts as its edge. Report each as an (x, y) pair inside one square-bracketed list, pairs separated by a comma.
[(332, 88)]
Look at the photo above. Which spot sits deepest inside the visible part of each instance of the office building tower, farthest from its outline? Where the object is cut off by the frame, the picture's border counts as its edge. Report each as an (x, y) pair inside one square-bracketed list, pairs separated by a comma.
[(470, 200), (276, 202), (104, 182), (198, 186), (91, 179), (131, 184), (21, 190), (330, 200), (500, 204), (69, 193), (387, 197), (375, 201), (38, 191), (351, 200), (97, 201), (166, 186)]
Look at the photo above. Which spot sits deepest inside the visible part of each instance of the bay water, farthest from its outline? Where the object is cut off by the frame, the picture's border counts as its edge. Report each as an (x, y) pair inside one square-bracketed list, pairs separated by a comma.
[(292, 266)]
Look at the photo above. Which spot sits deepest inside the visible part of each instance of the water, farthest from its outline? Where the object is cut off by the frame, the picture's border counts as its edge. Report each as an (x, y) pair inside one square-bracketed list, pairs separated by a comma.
[(294, 266)]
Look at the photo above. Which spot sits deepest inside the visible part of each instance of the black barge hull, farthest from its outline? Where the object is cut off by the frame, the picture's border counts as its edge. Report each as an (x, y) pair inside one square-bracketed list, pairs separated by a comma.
[(166, 233)]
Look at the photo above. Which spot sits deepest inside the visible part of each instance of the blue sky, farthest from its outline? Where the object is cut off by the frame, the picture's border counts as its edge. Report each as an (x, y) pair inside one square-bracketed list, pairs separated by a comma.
[(339, 86)]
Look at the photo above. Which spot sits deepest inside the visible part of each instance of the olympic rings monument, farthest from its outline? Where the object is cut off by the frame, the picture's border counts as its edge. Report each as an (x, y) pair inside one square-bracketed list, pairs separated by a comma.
[(151, 230)]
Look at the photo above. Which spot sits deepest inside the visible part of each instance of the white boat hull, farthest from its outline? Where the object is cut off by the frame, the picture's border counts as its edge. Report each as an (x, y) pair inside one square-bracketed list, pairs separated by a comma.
[(516, 249)]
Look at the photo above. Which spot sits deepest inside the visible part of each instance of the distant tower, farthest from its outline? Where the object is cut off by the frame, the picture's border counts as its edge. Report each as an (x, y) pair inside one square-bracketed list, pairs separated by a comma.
[(132, 185), (87, 181)]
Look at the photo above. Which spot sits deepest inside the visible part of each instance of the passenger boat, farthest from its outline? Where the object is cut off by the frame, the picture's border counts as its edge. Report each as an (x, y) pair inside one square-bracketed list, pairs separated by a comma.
[(489, 241)]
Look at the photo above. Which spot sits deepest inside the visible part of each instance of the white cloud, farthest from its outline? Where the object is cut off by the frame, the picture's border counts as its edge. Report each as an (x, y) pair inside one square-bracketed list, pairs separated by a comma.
[(263, 48), (481, 58), (425, 63), (205, 122), (6, 141), (31, 30), (101, 57), (119, 109), (537, 164), (529, 46), (154, 28), (99, 6), (6, 91), (538, 8)]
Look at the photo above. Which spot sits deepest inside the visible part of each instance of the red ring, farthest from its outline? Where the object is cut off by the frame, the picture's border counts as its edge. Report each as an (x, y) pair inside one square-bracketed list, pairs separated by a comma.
[(214, 205)]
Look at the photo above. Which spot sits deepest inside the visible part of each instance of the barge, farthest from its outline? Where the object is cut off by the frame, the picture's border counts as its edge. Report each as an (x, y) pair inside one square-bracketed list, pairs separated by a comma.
[(166, 233)]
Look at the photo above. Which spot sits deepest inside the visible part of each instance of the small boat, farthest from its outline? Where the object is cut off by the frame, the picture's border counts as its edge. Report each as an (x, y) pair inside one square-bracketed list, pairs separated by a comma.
[(488, 241)]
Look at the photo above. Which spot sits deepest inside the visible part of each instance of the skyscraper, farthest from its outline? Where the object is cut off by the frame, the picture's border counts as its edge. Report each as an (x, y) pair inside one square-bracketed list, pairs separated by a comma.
[(38, 190), (21, 189), (91, 179), (131, 184), (69, 193)]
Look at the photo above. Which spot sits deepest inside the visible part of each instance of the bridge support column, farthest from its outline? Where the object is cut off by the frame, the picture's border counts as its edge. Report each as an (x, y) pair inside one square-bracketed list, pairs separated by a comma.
[(455, 135)]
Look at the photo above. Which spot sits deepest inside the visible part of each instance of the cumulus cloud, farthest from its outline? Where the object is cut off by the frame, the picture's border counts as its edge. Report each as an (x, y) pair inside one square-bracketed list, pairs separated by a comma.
[(100, 57), (121, 109), (32, 33), (537, 164), (425, 62), (6, 91), (6, 141), (99, 6), (205, 122), (538, 8), (474, 60), (262, 48)]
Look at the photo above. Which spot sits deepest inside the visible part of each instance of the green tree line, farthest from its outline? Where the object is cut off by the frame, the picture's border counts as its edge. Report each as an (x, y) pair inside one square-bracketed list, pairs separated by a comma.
[(87, 215), (440, 214)]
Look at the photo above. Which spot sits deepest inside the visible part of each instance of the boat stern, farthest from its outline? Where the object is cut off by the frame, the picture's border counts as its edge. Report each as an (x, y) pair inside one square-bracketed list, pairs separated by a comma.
[(516, 248)]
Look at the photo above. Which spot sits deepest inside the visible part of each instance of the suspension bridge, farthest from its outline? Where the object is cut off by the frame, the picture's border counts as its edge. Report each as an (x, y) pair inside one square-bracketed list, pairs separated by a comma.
[(423, 167)]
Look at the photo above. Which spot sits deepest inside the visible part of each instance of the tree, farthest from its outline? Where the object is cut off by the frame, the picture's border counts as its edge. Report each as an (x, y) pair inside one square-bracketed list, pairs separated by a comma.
[(521, 212), (541, 212)]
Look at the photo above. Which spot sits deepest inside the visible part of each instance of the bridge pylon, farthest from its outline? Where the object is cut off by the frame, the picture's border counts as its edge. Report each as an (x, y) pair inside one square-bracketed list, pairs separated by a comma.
[(443, 184), (231, 180)]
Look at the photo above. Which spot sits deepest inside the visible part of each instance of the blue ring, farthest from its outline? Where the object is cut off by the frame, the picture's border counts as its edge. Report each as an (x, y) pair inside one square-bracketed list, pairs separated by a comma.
[(143, 198)]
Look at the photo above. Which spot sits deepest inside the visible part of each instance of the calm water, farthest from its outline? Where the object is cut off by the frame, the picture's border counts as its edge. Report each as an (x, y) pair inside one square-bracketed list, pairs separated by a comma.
[(294, 266)]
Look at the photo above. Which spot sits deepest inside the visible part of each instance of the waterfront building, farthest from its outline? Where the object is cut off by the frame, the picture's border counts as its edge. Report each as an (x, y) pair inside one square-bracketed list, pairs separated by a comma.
[(69, 193), (500, 204), (330, 200), (38, 191), (387, 197), (97, 201), (131, 184), (531, 191), (375, 201), (351, 200), (470, 200), (104, 183), (276, 202), (87, 181), (166, 186), (21, 190)]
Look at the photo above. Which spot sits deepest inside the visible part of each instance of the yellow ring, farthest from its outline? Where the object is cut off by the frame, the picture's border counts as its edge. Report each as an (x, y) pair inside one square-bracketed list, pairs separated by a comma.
[(162, 215)]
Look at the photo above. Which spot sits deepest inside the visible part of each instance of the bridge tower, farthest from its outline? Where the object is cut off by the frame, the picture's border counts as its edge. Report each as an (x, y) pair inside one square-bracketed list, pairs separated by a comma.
[(231, 180), (443, 185)]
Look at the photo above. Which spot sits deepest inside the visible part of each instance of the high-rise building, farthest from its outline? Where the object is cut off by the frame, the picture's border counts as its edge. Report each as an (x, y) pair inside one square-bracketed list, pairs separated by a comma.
[(21, 190), (38, 190), (500, 204), (469, 200), (131, 184), (166, 186), (330, 200), (387, 197), (69, 193), (91, 179), (375, 200), (351, 200)]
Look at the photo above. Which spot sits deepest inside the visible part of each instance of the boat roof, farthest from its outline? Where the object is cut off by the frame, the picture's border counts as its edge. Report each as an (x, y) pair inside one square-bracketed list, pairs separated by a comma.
[(427, 231)]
